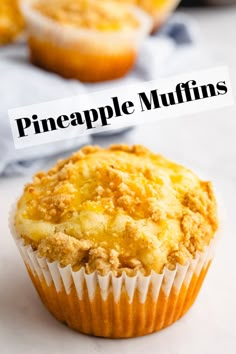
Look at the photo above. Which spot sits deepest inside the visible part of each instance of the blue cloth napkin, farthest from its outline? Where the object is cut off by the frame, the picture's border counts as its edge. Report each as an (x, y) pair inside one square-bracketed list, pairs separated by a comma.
[(21, 83)]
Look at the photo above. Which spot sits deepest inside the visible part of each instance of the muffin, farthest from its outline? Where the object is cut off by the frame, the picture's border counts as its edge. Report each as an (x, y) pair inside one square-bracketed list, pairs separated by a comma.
[(117, 241), (88, 40), (11, 21), (159, 10)]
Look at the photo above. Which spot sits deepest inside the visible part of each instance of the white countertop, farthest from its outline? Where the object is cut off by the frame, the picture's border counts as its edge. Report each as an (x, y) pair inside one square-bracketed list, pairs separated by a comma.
[(205, 142)]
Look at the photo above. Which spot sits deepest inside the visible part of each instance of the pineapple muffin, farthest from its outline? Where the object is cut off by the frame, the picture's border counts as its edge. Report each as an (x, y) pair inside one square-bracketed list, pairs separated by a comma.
[(159, 10), (115, 237), (88, 40), (11, 21)]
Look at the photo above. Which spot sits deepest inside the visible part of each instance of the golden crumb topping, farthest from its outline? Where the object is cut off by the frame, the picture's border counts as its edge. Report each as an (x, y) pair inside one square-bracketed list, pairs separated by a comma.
[(102, 15), (117, 209), (11, 21)]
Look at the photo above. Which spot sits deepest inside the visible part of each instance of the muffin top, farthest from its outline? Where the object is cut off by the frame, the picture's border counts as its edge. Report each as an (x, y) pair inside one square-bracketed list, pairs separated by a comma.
[(100, 15), (117, 209)]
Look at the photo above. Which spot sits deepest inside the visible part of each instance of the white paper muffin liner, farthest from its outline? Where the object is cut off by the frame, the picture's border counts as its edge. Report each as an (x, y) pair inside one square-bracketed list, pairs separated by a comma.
[(43, 27), (61, 277), (52, 272)]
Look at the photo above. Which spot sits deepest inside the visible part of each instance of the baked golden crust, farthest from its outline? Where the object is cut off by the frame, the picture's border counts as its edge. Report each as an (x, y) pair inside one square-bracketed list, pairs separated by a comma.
[(11, 21), (101, 15), (120, 209)]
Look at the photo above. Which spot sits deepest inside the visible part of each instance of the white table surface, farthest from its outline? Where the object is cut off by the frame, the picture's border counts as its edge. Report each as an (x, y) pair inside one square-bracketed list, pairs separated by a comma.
[(207, 143)]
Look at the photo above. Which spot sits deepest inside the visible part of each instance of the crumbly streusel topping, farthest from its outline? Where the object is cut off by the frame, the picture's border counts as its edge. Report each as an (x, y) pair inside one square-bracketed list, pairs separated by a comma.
[(120, 209), (102, 15)]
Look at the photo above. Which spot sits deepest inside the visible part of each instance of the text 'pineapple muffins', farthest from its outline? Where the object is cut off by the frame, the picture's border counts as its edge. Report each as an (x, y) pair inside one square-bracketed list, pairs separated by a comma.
[(117, 241), (88, 40)]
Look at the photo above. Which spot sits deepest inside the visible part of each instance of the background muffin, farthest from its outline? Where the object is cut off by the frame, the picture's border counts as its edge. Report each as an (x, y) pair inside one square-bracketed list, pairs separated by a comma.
[(11, 21), (85, 39), (159, 10), (125, 231)]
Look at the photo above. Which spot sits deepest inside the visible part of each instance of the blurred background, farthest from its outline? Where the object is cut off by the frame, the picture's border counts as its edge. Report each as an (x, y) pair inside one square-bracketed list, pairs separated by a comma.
[(183, 36), (194, 34)]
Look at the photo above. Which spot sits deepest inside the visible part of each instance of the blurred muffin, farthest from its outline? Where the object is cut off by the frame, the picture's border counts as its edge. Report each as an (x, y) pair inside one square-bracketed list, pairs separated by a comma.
[(88, 40), (159, 10), (117, 241), (11, 21)]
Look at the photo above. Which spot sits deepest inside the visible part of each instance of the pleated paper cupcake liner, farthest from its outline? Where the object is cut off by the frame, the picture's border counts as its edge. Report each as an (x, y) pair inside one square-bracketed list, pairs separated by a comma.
[(115, 307), (87, 67)]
